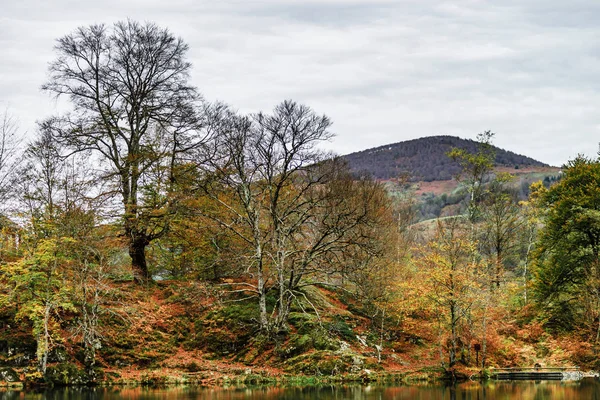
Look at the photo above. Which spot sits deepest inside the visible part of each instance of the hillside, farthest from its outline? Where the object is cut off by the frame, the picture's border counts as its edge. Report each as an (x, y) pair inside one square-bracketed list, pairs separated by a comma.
[(425, 159), (197, 333), (444, 198)]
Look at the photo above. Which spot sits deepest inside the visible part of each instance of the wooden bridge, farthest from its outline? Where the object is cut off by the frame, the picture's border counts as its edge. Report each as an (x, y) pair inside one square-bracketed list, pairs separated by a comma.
[(534, 373)]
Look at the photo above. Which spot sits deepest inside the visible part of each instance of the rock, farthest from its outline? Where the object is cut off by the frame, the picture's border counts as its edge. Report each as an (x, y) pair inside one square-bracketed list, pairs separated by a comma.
[(20, 359), (344, 346), (365, 375), (58, 355), (572, 375), (8, 375), (362, 340), (357, 363), (17, 355)]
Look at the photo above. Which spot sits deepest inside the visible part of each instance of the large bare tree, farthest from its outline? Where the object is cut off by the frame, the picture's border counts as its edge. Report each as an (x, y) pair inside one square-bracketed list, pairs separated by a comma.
[(296, 209), (133, 107)]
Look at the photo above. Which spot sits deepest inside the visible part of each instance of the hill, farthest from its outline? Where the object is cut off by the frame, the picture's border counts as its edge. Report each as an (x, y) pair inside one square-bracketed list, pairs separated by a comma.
[(425, 159)]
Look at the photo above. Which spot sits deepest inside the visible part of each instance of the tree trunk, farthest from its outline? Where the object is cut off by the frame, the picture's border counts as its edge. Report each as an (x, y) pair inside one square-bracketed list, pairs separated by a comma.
[(498, 268), (262, 303), (44, 340), (452, 349), (380, 348), (284, 301), (283, 313), (138, 240), (484, 340), (137, 252), (529, 245), (89, 325), (262, 290)]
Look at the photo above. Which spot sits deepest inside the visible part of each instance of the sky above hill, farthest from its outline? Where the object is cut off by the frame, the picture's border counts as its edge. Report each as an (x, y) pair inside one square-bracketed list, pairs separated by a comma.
[(383, 70)]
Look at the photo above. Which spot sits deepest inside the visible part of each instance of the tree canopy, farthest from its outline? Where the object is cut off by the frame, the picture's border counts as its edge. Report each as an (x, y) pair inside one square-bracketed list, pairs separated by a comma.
[(132, 106), (568, 269)]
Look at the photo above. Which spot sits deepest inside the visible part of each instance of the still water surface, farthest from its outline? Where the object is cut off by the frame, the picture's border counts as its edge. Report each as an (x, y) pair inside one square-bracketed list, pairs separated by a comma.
[(588, 389)]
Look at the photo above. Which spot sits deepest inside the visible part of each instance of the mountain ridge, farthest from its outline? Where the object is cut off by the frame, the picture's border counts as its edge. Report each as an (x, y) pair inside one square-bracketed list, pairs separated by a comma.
[(425, 159)]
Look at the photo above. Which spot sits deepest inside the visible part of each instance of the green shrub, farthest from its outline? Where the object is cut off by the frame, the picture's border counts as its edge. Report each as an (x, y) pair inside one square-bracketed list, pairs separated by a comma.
[(65, 374), (340, 328)]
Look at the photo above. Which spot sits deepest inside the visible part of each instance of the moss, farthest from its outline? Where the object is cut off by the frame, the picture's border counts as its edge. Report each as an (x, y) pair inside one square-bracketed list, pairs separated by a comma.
[(302, 343), (297, 344), (150, 358), (317, 339), (372, 364), (303, 322), (153, 379), (255, 380), (321, 362), (125, 342), (485, 374), (236, 313), (66, 374), (111, 377), (322, 341), (339, 327), (222, 342), (226, 330)]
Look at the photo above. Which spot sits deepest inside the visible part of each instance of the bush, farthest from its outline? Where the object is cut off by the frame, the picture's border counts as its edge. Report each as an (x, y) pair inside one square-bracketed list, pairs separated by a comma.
[(66, 374)]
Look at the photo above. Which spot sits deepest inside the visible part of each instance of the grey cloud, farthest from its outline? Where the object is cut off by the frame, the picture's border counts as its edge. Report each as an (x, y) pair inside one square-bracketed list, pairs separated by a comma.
[(338, 14), (385, 71)]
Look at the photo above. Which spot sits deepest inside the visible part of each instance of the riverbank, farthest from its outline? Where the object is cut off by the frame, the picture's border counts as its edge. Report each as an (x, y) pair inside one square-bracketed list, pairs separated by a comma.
[(253, 378), (67, 374), (586, 389), (249, 378), (220, 375), (189, 333)]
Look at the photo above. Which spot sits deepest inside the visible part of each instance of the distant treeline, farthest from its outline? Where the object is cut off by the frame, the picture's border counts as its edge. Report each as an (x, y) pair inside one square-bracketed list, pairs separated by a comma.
[(431, 206)]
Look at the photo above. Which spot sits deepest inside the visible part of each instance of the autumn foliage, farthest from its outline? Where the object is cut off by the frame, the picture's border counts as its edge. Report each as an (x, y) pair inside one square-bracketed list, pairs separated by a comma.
[(209, 242)]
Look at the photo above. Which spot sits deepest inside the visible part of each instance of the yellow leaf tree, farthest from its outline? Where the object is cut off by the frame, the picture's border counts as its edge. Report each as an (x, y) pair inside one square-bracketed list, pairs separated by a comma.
[(451, 283)]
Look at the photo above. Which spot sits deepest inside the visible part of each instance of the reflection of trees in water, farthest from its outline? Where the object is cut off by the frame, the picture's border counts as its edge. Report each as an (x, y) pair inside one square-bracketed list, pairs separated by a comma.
[(523, 390)]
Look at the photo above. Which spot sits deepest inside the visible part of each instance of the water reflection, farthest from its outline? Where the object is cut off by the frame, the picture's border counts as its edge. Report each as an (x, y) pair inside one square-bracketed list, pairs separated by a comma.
[(585, 389)]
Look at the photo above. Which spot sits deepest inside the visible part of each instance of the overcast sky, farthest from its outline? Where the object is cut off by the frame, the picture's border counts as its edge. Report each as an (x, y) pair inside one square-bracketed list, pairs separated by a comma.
[(384, 71)]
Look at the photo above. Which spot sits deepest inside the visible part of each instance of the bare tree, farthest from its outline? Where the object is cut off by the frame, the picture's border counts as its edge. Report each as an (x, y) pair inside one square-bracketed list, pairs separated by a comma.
[(133, 107), (296, 209), (252, 175), (501, 226), (9, 148)]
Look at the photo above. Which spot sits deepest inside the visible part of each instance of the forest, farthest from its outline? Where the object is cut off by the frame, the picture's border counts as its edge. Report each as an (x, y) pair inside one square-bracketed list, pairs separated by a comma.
[(151, 236)]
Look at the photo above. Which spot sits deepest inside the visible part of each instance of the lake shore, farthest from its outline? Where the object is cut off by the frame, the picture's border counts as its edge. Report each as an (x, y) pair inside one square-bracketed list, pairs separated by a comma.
[(63, 375)]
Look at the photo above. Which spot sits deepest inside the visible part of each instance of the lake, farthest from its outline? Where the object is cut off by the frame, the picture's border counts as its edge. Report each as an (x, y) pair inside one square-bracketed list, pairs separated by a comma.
[(585, 389)]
